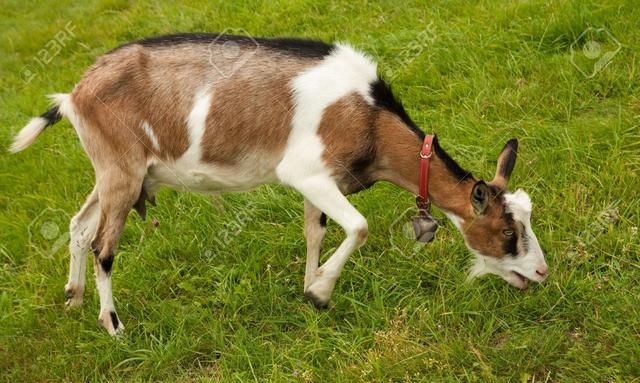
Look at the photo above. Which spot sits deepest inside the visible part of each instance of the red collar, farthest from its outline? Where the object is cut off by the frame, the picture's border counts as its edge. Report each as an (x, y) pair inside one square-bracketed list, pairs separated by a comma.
[(422, 200)]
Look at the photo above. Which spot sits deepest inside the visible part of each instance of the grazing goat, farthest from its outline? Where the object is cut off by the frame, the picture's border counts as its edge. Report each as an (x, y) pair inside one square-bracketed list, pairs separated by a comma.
[(213, 113)]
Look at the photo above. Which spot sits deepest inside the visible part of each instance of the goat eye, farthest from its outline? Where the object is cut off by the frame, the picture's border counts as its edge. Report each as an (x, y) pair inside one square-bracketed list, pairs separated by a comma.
[(508, 233)]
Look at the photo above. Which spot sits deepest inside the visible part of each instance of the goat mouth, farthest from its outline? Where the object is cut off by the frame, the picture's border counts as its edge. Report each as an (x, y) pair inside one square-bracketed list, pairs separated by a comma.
[(520, 281)]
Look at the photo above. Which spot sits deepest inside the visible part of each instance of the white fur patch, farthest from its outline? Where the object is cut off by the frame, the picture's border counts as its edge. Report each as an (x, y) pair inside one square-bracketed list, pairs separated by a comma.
[(187, 172), (519, 204), (66, 108), (190, 173), (340, 74), (28, 134), (483, 265), (196, 122), (343, 72), (63, 101), (152, 136), (457, 220)]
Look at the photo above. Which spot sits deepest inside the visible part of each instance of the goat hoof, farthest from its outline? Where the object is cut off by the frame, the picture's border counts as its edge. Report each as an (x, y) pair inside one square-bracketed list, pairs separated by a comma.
[(320, 304), (73, 302), (73, 295), (109, 320), (320, 291)]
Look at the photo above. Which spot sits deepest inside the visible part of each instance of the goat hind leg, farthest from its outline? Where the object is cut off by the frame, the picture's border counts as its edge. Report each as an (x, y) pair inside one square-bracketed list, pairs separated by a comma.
[(82, 229), (117, 192)]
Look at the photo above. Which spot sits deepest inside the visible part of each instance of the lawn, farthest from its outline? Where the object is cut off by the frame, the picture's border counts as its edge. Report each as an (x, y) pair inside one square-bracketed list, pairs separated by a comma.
[(214, 291)]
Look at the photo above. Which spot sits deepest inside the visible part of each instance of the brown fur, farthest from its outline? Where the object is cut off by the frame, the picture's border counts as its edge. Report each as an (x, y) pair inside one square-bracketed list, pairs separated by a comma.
[(398, 162), (347, 133), (250, 116), (491, 224), (135, 84)]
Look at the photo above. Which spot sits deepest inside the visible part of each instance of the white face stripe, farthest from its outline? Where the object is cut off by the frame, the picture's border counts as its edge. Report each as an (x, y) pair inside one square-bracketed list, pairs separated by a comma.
[(345, 71), (519, 204)]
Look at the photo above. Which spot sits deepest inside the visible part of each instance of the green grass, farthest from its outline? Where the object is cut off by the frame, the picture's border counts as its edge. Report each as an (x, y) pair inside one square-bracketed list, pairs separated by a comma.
[(202, 306)]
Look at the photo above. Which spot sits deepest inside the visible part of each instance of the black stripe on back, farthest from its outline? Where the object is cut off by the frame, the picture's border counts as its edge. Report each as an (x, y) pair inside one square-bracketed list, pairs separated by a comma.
[(384, 98), (452, 165), (293, 46)]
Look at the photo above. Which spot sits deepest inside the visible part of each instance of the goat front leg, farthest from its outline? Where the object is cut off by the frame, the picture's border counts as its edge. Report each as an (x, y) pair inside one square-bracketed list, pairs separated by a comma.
[(118, 193), (315, 222), (325, 195)]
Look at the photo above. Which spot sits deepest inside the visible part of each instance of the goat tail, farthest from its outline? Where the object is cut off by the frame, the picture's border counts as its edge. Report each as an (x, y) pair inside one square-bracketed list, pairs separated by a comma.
[(37, 125)]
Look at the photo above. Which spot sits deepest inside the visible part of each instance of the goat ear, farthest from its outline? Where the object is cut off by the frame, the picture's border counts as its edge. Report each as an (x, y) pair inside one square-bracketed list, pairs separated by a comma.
[(506, 163), (480, 197)]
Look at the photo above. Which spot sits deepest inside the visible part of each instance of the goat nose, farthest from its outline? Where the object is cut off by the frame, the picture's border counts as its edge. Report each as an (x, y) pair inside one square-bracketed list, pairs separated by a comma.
[(542, 270)]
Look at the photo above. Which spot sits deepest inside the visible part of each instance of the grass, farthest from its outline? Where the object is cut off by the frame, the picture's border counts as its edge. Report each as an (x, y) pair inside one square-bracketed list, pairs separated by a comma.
[(214, 293)]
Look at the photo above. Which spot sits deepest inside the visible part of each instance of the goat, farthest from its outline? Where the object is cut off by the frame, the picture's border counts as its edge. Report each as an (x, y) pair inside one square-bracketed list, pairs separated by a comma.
[(212, 113)]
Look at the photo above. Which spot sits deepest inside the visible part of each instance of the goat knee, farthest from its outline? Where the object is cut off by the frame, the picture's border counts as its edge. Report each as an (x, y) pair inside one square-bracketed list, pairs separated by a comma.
[(360, 232)]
